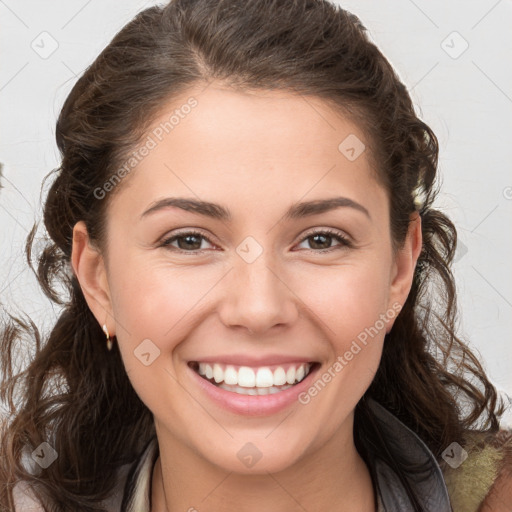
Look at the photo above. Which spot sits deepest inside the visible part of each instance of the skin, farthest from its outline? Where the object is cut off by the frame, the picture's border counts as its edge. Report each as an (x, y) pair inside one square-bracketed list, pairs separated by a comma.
[(255, 154)]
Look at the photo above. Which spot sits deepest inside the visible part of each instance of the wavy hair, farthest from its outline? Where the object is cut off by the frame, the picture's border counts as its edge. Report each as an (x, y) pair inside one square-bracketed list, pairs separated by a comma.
[(76, 395)]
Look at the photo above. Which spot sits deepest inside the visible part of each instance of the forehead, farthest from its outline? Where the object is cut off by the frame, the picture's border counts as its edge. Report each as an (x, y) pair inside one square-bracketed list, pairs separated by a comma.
[(274, 119), (216, 140)]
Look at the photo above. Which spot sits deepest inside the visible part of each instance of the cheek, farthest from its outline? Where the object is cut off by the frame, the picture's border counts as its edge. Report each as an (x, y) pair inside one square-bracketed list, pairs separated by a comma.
[(347, 299), (351, 304), (158, 301), (152, 308)]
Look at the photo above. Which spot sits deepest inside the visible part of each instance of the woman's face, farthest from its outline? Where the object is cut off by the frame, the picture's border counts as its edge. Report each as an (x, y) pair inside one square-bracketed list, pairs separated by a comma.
[(263, 288)]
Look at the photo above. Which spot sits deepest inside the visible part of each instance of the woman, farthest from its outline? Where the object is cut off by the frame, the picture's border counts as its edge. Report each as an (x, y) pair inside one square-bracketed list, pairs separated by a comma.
[(261, 308)]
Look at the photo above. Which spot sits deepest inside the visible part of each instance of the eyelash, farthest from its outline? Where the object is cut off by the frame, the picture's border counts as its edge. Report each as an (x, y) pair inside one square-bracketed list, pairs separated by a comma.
[(345, 242)]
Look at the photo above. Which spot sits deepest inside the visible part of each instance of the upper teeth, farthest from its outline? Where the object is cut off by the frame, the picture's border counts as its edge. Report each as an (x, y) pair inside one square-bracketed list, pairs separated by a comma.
[(247, 377)]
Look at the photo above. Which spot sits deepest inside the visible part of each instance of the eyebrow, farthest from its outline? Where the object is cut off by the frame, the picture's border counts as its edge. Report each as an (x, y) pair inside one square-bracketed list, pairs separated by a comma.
[(216, 211)]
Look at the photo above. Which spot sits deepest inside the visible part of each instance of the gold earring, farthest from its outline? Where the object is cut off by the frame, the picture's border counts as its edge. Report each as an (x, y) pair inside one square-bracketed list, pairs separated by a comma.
[(109, 339)]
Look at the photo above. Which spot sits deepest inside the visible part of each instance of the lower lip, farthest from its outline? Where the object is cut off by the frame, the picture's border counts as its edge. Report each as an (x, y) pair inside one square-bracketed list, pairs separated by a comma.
[(254, 405)]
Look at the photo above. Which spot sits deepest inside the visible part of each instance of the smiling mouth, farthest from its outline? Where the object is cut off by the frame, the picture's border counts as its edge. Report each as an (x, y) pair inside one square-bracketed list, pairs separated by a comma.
[(247, 380)]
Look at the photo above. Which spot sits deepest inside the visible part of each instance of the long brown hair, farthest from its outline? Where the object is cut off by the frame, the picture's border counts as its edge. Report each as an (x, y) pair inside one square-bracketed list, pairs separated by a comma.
[(76, 395)]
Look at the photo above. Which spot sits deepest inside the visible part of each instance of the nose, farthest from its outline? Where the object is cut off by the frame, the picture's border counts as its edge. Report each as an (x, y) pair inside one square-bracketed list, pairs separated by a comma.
[(258, 297)]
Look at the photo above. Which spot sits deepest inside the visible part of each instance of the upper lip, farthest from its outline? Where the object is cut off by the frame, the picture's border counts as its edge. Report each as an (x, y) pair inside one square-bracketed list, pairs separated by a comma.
[(254, 361)]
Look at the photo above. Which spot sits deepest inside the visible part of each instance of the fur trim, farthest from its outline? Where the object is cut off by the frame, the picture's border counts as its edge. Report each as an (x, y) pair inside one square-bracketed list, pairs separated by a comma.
[(488, 455)]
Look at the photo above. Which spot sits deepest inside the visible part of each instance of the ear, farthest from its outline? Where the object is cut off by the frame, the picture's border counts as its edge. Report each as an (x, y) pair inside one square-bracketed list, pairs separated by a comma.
[(402, 274), (89, 267)]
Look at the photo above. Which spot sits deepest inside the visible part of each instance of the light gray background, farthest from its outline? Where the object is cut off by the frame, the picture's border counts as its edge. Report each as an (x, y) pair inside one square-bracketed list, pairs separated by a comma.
[(465, 96)]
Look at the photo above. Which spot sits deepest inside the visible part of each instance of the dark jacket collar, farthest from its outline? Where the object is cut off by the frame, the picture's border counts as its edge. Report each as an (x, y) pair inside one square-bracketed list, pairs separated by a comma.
[(425, 475)]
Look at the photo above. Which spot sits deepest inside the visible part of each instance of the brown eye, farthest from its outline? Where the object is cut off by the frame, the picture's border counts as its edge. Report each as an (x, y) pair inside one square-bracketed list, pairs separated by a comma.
[(321, 241), (189, 241)]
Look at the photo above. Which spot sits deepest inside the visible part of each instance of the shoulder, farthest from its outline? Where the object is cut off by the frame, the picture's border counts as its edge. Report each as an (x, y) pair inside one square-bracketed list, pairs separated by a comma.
[(499, 496), (479, 474)]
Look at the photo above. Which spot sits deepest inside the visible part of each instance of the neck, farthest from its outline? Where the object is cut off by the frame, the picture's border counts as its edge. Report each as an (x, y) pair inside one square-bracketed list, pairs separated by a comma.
[(334, 474)]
